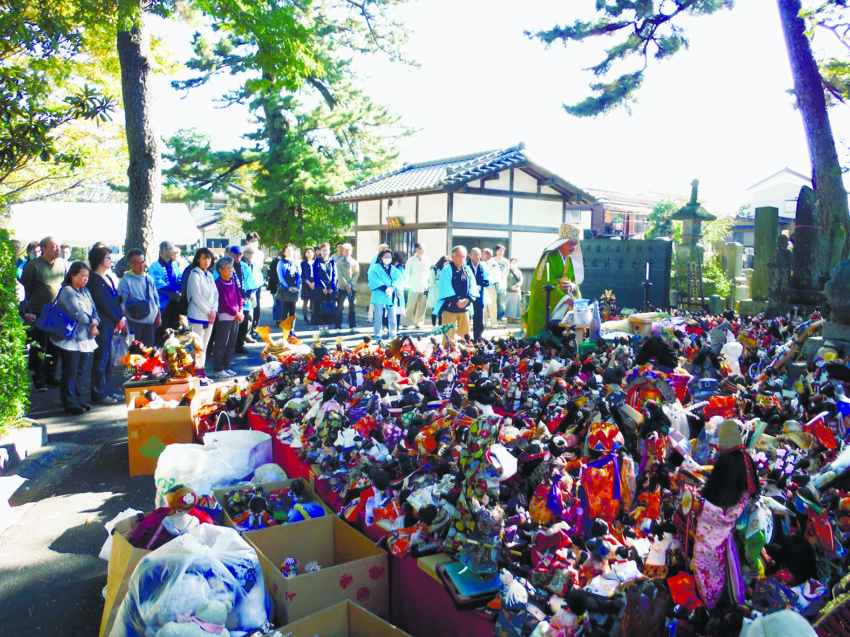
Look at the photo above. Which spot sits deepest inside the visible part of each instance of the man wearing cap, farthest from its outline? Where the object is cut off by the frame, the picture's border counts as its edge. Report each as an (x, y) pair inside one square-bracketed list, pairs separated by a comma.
[(561, 266), (166, 277), (245, 281)]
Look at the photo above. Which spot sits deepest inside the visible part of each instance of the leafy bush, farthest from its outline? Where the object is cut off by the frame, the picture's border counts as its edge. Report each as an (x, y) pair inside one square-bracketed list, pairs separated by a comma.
[(14, 390)]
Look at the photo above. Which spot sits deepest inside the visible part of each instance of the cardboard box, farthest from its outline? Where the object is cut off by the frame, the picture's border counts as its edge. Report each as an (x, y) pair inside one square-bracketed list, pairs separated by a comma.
[(122, 562), (149, 431), (345, 619), (353, 568), (174, 389), (220, 495)]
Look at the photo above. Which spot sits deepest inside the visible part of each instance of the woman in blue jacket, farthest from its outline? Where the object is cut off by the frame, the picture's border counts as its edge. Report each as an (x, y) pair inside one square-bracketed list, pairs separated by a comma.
[(384, 280), (104, 293)]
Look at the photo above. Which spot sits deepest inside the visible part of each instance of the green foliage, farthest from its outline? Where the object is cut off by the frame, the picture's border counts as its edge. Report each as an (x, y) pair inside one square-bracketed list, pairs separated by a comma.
[(831, 17), (713, 275), (317, 131), (661, 224), (14, 390), (40, 88), (639, 30)]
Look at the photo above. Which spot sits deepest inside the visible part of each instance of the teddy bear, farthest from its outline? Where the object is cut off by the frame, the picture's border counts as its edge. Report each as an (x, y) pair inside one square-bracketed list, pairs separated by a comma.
[(209, 619)]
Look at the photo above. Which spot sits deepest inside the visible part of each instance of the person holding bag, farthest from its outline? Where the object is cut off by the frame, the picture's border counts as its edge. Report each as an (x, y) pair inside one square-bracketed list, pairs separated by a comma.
[(76, 302), (139, 299), (383, 279), (104, 294), (289, 283)]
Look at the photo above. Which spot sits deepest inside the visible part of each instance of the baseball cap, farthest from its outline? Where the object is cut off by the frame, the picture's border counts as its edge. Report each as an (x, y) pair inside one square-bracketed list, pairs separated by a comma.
[(234, 250)]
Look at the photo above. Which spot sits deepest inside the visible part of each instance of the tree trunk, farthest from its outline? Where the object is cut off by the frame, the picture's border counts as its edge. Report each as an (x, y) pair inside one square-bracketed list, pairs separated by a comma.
[(144, 169), (833, 211)]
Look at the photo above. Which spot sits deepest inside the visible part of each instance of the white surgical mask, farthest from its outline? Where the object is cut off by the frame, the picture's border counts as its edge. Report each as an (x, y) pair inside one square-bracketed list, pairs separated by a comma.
[(386, 261)]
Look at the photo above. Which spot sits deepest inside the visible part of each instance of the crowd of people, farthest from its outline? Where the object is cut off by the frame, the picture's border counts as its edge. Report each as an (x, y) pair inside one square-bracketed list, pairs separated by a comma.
[(220, 298)]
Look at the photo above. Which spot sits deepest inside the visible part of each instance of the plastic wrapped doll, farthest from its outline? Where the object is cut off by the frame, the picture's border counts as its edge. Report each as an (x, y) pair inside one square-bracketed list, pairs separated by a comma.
[(166, 523), (480, 550), (725, 496)]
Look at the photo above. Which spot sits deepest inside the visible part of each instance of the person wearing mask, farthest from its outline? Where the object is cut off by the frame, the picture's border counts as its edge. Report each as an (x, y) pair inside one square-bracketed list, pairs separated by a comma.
[(377, 259), (74, 299), (325, 281), (166, 278), (383, 279), (202, 295), (308, 286), (272, 285), (513, 296), (42, 278), (482, 281), (434, 288), (104, 294), (245, 280), (288, 273), (139, 299), (230, 315), (457, 291), (348, 272), (490, 297), (499, 267), (418, 268)]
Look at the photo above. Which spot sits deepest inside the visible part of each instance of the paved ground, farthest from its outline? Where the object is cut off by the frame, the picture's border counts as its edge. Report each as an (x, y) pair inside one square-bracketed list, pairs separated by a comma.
[(50, 575)]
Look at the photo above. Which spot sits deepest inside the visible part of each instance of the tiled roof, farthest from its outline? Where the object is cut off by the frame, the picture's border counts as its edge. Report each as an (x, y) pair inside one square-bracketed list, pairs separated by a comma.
[(442, 174)]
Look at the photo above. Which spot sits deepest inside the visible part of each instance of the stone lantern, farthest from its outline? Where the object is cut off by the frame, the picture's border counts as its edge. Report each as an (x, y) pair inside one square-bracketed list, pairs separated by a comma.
[(692, 215)]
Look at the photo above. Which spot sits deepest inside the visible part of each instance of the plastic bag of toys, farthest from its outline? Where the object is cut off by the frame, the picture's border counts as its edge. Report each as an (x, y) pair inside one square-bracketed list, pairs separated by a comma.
[(208, 566)]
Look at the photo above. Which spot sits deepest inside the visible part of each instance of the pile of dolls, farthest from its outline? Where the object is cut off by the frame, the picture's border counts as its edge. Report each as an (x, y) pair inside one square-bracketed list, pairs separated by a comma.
[(175, 359), (690, 481)]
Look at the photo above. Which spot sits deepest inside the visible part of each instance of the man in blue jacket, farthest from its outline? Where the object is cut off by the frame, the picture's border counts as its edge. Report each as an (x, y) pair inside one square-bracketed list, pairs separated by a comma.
[(482, 280), (457, 290), (166, 277)]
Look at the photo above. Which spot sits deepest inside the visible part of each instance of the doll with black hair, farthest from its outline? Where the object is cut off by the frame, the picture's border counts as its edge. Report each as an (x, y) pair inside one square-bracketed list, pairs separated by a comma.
[(727, 491)]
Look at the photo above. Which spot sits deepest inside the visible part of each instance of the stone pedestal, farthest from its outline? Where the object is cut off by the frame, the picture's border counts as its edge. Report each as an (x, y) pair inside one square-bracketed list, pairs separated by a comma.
[(766, 234), (750, 307)]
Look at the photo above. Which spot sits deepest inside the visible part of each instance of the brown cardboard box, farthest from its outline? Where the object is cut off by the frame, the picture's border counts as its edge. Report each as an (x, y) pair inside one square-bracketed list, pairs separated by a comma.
[(149, 431), (227, 518), (174, 389), (353, 568), (345, 619), (122, 562)]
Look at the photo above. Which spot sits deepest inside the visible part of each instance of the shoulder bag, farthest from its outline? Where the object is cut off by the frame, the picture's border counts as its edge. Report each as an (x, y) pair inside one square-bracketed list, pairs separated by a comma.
[(54, 321)]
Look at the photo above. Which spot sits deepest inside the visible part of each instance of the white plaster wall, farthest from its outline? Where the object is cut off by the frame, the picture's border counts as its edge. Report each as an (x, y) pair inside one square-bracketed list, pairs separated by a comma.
[(524, 182), (779, 195), (546, 190), (528, 246), (403, 207), (434, 242), (532, 212), (480, 208), (368, 213), (502, 183), (367, 245), (433, 208)]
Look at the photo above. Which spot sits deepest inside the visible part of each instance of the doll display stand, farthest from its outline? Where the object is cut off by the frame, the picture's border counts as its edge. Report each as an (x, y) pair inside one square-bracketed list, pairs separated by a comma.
[(467, 589)]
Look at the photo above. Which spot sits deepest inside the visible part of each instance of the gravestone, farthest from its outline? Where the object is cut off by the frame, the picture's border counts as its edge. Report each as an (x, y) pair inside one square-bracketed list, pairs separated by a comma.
[(779, 275), (620, 266), (805, 281), (766, 235), (733, 260)]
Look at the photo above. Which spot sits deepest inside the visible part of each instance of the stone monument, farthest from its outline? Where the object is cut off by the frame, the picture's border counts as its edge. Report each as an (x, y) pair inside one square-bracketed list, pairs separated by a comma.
[(805, 279), (779, 276), (766, 236)]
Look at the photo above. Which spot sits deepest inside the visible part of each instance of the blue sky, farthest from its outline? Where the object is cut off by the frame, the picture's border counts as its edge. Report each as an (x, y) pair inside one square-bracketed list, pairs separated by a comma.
[(718, 111)]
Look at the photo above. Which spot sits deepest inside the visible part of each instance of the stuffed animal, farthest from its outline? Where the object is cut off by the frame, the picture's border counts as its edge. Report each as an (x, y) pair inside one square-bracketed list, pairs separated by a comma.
[(209, 619)]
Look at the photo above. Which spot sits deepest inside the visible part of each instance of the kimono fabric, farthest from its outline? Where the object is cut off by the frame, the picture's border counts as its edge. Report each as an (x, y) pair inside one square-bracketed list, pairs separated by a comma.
[(711, 549), (600, 481), (535, 316)]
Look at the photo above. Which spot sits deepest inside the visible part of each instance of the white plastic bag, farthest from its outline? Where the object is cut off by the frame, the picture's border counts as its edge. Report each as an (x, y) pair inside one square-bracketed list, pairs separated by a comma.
[(269, 472), (207, 563), (106, 549), (242, 450)]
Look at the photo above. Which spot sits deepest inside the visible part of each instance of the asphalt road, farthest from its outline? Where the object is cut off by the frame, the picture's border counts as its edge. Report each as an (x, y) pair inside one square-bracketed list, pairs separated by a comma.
[(51, 578)]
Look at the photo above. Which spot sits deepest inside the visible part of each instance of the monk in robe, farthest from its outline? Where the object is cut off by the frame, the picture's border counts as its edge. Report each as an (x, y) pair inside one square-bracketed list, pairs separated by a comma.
[(561, 266)]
